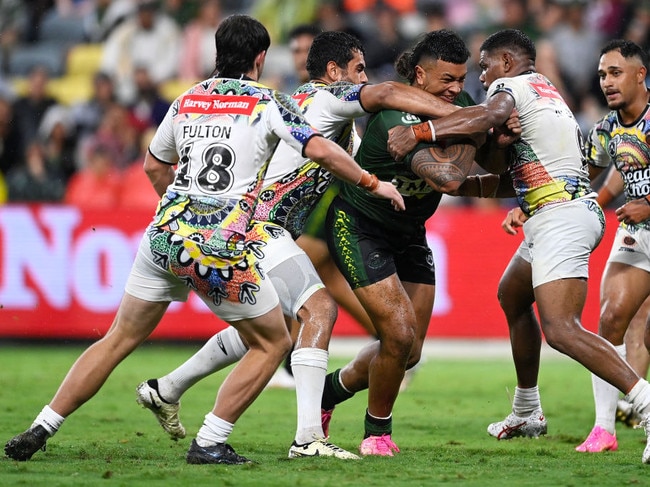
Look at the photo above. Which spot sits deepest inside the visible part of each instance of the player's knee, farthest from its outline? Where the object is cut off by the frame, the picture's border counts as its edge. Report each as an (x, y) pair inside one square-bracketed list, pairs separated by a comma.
[(319, 308)]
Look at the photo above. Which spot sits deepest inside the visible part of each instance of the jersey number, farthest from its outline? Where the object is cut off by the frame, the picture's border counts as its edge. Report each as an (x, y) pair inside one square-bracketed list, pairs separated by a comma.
[(215, 174)]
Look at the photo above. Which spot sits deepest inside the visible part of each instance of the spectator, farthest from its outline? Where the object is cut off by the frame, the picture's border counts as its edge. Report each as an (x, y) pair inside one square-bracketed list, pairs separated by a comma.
[(105, 17), (149, 107), (183, 12), (12, 28), (149, 39), (29, 108), (279, 16), (579, 44), (59, 139), (300, 39), (36, 11), (35, 180), (10, 138), (387, 42), (197, 62), (118, 133), (97, 185), (435, 15), (137, 193), (87, 115)]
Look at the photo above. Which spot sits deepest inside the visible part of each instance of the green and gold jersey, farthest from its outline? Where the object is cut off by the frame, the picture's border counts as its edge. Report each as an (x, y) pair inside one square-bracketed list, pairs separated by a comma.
[(420, 198)]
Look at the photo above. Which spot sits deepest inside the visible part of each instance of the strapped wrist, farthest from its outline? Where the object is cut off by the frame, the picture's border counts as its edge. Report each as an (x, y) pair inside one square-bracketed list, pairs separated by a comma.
[(424, 132), (368, 181)]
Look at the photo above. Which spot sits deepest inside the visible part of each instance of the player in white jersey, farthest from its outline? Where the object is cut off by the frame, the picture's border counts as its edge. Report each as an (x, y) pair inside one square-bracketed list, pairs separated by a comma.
[(564, 225), (620, 139), (292, 186), (222, 133)]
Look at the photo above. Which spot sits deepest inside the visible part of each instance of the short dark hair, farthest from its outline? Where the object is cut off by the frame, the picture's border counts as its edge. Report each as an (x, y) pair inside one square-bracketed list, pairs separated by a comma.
[(627, 49), (304, 30), (510, 39), (329, 46), (443, 44), (239, 39)]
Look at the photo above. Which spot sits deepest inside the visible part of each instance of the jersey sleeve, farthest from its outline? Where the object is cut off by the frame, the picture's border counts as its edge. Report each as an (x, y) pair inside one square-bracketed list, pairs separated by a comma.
[(595, 151), (163, 144), (344, 100), (505, 85), (286, 121)]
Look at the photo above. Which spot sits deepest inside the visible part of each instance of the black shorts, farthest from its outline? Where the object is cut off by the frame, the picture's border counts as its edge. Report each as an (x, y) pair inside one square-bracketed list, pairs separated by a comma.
[(366, 253)]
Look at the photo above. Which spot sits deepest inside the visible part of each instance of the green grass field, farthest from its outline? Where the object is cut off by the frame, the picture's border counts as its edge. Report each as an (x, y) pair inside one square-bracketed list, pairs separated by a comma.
[(439, 423)]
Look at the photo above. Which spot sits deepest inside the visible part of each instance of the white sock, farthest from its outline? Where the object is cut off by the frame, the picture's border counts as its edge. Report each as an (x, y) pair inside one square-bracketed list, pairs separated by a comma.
[(639, 396), (606, 398), (223, 349), (214, 430), (526, 401), (49, 419), (309, 366)]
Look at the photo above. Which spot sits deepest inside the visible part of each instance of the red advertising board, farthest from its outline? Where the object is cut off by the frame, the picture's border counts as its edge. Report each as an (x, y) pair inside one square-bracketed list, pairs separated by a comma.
[(62, 272)]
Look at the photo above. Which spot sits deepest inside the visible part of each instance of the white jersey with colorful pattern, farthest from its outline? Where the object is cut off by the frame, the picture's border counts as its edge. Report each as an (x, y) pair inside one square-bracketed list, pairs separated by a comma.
[(546, 163), (610, 141), (223, 133), (293, 184)]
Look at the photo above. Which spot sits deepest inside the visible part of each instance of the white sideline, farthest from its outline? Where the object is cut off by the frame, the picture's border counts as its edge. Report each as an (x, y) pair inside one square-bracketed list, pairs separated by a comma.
[(443, 348)]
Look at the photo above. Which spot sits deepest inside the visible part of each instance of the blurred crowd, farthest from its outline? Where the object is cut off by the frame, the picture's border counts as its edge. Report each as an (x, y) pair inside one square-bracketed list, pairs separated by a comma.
[(74, 127)]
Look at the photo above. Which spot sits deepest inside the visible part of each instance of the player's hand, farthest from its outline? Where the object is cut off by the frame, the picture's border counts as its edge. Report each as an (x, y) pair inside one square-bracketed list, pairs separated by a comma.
[(388, 191), (634, 211), (514, 220), (509, 132), (401, 141)]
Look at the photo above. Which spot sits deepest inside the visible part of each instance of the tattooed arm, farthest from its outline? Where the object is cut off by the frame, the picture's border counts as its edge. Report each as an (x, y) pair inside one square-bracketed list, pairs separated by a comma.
[(444, 168)]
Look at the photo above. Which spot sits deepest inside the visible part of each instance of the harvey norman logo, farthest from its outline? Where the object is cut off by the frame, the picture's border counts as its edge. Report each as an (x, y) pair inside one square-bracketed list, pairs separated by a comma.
[(211, 104), (545, 91)]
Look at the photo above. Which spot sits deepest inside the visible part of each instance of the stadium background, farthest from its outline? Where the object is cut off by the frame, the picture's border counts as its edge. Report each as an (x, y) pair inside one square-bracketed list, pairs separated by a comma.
[(63, 262)]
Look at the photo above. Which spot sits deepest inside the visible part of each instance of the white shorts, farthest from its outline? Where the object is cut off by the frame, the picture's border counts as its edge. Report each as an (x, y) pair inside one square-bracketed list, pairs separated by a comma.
[(151, 282), (558, 241), (632, 249), (291, 271)]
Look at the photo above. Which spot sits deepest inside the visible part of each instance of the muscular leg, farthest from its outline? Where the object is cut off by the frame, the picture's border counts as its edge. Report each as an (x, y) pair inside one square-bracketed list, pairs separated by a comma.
[(268, 341), (134, 321), (391, 310), (637, 353), (516, 298), (355, 374), (623, 290), (317, 251), (560, 305)]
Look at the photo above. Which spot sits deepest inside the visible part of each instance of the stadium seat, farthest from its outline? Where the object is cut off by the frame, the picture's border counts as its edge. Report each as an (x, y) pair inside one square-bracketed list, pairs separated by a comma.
[(71, 89), (83, 59), (170, 89), (67, 90), (61, 30), (24, 57)]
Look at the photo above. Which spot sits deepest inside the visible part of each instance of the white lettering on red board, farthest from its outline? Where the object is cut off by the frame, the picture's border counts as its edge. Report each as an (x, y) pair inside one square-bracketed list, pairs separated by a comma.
[(44, 255), (47, 258)]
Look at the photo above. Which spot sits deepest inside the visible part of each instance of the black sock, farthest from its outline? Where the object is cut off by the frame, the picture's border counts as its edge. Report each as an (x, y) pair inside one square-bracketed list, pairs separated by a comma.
[(287, 362), (377, 426), (333, 392)]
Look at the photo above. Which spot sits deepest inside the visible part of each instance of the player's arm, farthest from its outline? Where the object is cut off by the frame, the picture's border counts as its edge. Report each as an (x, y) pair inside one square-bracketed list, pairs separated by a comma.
[(334, 158), (160, 173), (391, 95), (444, 168), (487, 186), (473, 121)]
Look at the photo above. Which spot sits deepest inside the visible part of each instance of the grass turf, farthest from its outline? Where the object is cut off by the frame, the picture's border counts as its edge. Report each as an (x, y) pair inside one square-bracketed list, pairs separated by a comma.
[(439, 423)]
